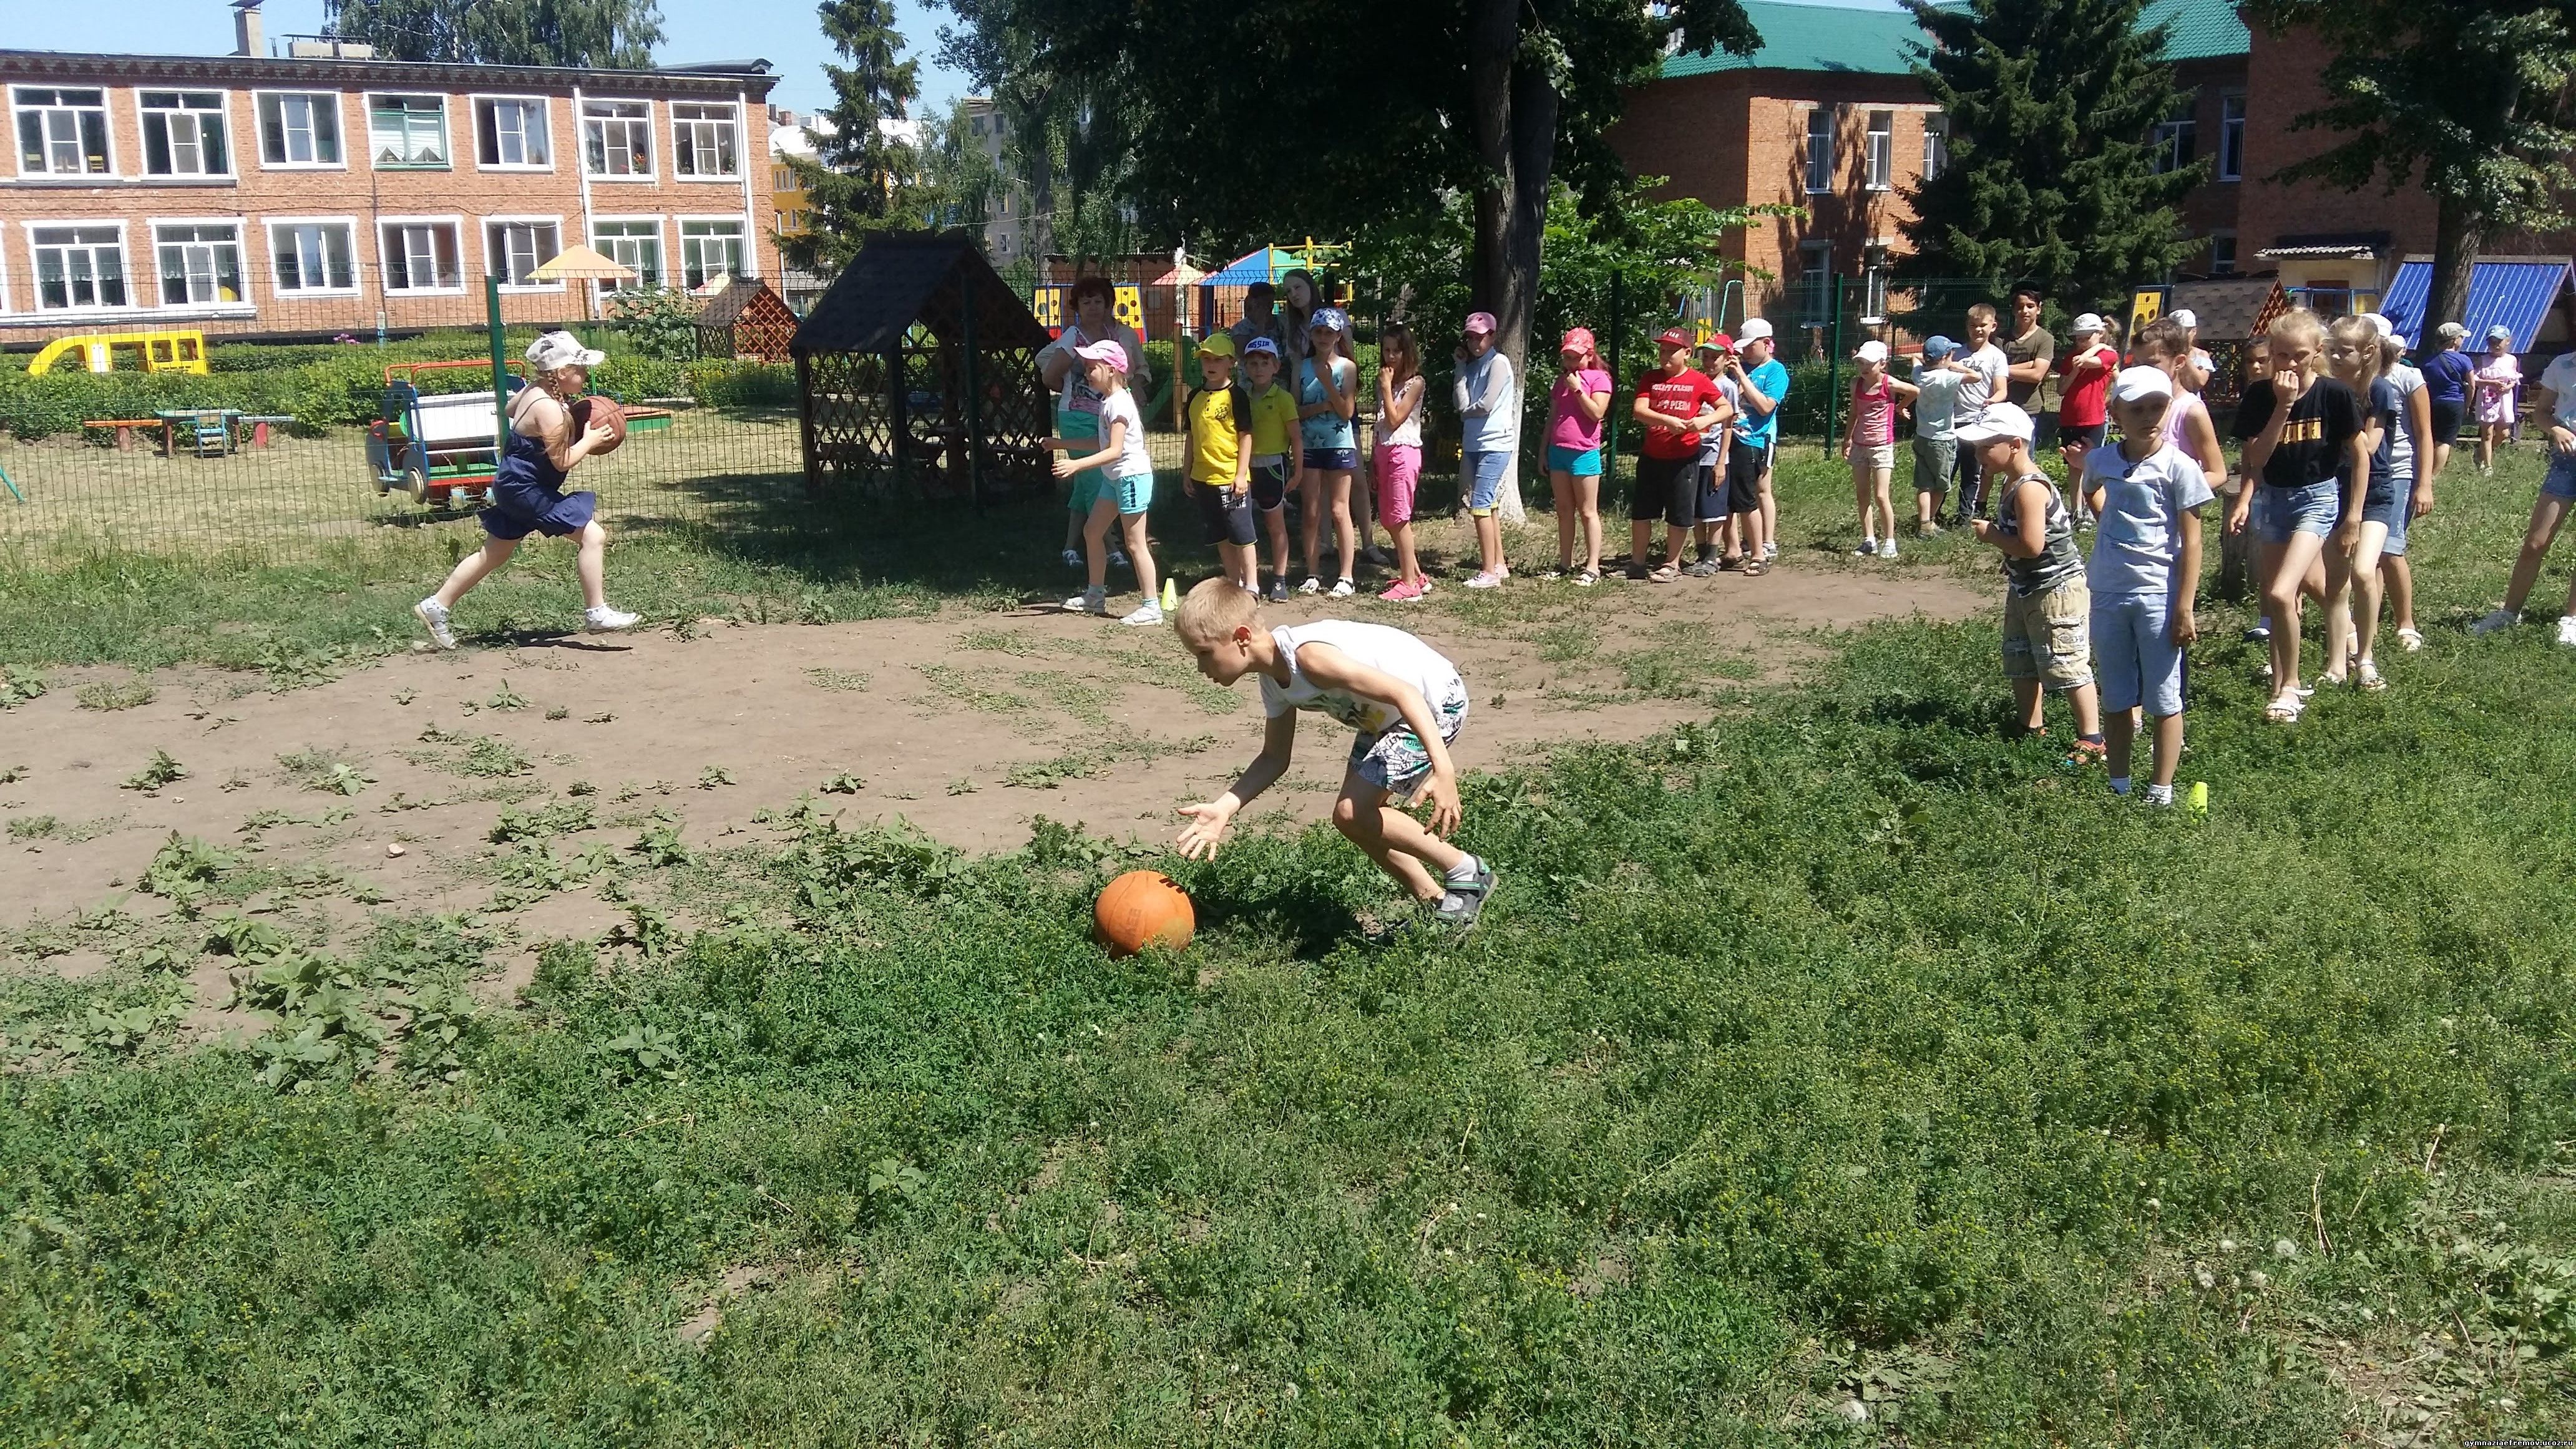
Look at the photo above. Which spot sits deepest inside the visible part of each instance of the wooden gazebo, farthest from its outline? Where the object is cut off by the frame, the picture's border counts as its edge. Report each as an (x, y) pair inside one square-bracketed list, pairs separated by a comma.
[(918, 371), (745, 320)]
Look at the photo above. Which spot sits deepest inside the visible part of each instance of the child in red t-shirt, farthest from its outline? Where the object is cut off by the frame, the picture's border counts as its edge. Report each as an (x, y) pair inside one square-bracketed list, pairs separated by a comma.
[(1677, 403), (2084, 397)]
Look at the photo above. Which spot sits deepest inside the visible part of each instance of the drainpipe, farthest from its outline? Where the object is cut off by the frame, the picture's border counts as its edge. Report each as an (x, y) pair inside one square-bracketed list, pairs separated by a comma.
[(581, 169), (751, 227)]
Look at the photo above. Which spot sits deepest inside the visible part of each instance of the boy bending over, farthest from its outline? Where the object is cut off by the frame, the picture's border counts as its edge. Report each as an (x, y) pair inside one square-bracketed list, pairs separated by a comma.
[(1404, 698)]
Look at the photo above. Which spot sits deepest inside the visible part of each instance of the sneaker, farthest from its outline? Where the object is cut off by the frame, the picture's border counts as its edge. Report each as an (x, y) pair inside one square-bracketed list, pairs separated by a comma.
[(1378, 557), (1552, 575), (1341, 589), (2567, 631), (605, 620), (1402, 591), (1073, 558), (1587, 578), (1147, 613), (1703, 568), (1118, 558), (2500, 619), (1887, 548), (1770, 552), (1927, 530), (1485, 581), (1278, 589), (1868, 549), (2413, 641), (2259, 634), (433, 616), (1461, 902), (1312, 585), (1089, 601)]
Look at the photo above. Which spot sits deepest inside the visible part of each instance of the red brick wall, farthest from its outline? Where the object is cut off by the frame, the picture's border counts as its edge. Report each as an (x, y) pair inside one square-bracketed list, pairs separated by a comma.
[(2289, 67), (358, 191)]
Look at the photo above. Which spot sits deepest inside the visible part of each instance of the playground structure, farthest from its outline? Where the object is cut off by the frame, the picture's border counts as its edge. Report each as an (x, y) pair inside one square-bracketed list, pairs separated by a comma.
[(176, 350), (437, 446)]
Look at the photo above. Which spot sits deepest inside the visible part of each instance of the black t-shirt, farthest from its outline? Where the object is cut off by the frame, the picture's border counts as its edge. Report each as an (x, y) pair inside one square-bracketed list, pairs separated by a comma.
[(2321, 425)]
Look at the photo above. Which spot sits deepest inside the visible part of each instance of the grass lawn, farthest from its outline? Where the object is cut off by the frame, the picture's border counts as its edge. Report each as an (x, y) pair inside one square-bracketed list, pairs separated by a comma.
[(1834, 1053)]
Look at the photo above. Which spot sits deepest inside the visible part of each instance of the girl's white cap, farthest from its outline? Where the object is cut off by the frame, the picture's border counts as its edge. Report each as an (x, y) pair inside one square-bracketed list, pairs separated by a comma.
[(2092, 322), (1872, 351), (562, 349)]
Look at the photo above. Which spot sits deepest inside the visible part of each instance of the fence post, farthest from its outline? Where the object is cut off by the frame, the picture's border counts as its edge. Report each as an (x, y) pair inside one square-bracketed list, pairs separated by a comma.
[(500, 368), (974, 392), (1618, 331)]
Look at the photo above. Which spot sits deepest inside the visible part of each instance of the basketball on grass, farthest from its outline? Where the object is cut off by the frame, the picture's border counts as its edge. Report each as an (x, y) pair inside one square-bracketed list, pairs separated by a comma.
[(605, 412), (1142, 908)]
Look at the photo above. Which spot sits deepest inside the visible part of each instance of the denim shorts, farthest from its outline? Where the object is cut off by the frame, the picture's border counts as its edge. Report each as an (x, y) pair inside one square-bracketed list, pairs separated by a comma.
[(1333, 460), (2135, 662), (2391, 512), (2560, 480), (1581, 462), (1482, 475), (2282, 512)]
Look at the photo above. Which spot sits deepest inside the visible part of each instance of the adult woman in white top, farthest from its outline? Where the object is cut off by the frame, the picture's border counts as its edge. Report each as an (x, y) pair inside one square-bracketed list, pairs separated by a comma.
[(1077, 406)]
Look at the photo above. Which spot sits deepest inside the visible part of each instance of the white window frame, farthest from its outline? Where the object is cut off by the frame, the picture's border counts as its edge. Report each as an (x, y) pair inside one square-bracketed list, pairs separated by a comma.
[(652, 164), (741, 161), (385, 264), (1819, 297), (242, 265), (2172, 131), (1879, 152), (446, 130), (747, 237), (339, 128), (1816, 185), (2234, 258), (357, 263), (73, 311), (492, 259), (661, 245), (2231, 137), (1874, 267), (223, 111), (545, 128), (107, 124), (1936, 143)]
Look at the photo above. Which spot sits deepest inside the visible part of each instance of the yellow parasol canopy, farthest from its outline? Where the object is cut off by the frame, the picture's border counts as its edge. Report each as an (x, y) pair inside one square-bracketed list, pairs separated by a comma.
[(578, 263)]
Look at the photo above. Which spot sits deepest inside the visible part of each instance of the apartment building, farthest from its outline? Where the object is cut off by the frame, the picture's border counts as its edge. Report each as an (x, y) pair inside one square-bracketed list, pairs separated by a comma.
[(338, 192), (1010, 227)]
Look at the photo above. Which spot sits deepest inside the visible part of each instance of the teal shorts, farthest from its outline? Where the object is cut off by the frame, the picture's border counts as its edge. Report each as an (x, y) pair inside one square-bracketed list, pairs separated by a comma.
[(1581, 462), (1134, 495)]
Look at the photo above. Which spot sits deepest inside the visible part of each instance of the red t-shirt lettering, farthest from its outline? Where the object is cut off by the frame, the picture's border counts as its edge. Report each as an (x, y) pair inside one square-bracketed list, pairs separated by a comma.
[(1682, 394)]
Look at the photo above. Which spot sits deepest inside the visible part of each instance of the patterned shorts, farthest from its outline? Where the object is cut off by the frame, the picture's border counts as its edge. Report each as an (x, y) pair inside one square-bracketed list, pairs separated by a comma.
[(1395, 759)]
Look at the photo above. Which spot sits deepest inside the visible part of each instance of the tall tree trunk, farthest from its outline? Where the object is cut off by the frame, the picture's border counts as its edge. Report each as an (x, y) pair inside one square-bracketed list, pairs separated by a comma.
[(1515, 110), (2458, 233)]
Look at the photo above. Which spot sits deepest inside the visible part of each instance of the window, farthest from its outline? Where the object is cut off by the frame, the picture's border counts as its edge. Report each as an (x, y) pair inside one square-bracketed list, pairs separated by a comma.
[(702, 141), (299, 129), (1936, 144), (510, 131), (2231, 136), (183, 133), (710, 251), (61, 132), (1816, 280), (513, 250), (79, 266), (2222, 254), (1874, 283), (421, 255), (1820, 149), (617, 138), (407, 132), (2176, 138), (312, 256), (200, 262), (635, 245), (1882, 150)]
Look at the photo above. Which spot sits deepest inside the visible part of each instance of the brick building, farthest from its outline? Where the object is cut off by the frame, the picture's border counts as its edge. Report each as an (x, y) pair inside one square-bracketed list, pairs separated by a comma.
[(341, 193)]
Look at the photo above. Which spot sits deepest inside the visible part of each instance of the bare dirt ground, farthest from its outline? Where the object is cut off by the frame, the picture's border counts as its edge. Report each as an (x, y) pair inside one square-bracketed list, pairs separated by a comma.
[(969, 725)]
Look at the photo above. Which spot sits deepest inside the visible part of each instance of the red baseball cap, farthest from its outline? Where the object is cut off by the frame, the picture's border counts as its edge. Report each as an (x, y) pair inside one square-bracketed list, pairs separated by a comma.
[(1674, 337), (1717, 342)]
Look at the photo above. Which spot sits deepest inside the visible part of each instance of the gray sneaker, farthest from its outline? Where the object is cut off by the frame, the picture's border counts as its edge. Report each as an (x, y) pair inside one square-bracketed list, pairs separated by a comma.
[(433, 616), (1461, 902)]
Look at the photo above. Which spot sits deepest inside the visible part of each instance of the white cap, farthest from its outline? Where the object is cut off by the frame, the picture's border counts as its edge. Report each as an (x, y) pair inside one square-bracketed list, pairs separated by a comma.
[(2380, 324), (1872, 351), (2134, 383), (2186, 316), (562, 349), (1753, 330), (2001, 420), (2090, 322)]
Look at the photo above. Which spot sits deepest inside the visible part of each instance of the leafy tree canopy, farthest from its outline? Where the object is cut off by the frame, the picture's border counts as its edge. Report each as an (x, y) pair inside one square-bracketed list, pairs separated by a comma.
[(603, 34)]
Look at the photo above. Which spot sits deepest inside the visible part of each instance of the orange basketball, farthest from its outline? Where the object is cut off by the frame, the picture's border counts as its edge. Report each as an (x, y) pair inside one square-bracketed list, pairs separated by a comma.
[(1140, 908), (606, 413)]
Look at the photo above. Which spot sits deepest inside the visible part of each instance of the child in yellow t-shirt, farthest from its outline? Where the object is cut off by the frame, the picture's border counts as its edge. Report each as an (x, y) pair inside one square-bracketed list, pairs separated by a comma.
[(1275, 455), (1219, 447)]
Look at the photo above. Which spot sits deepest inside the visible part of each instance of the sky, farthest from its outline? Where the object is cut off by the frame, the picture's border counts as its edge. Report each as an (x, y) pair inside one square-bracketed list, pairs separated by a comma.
[(784, 32)]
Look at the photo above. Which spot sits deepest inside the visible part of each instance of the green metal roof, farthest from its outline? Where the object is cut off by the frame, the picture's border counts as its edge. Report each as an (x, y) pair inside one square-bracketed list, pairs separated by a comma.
[(1870, 40)]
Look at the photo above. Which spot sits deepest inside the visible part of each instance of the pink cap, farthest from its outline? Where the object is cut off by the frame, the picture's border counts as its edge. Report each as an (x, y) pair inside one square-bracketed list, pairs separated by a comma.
[(1105, 350), (1578, 339), (1481, 322)]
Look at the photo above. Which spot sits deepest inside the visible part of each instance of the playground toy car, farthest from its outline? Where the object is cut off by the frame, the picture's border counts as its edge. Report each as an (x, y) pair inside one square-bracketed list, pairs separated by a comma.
[(175, 350), (437, 446)]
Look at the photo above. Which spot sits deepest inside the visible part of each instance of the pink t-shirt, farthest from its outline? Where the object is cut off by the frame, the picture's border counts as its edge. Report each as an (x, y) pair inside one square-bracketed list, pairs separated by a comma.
[(1567, 427), (1874, 409)]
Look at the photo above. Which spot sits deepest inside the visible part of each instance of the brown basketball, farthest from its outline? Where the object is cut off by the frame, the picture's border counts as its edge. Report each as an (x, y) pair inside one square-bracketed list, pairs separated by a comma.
[(1141, 908), (605, 412)]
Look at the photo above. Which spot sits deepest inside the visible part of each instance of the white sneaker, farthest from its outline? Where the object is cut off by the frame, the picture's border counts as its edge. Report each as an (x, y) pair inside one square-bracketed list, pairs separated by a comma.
[(1146, 614), (433, 616), (1089, 601), (2500, 619), (605, 620), (1341, 589), (2567, 631), (1485, 581), (1073, 558), (1312, 585), (1887, 548), (1770, 551)]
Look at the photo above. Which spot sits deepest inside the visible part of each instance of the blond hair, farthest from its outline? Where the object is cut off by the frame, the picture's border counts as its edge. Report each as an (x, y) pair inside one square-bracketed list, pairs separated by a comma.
[(1982, 312), (1215, 609), (2355, 337), (2298, 325)]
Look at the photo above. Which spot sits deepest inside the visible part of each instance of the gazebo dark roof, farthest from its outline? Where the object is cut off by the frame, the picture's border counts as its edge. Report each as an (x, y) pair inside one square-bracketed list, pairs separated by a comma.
[(900, 278), (2228, 308), (725, 308)]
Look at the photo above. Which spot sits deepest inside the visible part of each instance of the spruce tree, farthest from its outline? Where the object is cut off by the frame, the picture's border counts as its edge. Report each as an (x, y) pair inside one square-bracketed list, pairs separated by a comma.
[(860, 179), (2051, 179)]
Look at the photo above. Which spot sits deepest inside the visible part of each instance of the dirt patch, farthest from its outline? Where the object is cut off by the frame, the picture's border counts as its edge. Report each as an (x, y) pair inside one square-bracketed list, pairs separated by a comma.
[(968, 725)]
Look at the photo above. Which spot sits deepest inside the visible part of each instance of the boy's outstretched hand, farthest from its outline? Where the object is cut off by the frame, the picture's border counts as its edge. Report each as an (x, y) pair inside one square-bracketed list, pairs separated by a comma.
[(1445, 810), (1206, 830)]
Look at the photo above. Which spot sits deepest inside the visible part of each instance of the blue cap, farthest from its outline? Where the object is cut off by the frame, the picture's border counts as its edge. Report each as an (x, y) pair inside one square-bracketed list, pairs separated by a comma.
[(1261, 346), (1937, 347), (1329, 317)]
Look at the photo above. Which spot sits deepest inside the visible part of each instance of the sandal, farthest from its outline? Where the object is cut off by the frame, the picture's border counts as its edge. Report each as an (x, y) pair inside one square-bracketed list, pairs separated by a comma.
[(2411, 639), (1665, 574), (2088, 752), (1755, 568), (2285, 709), (2369, 678)]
